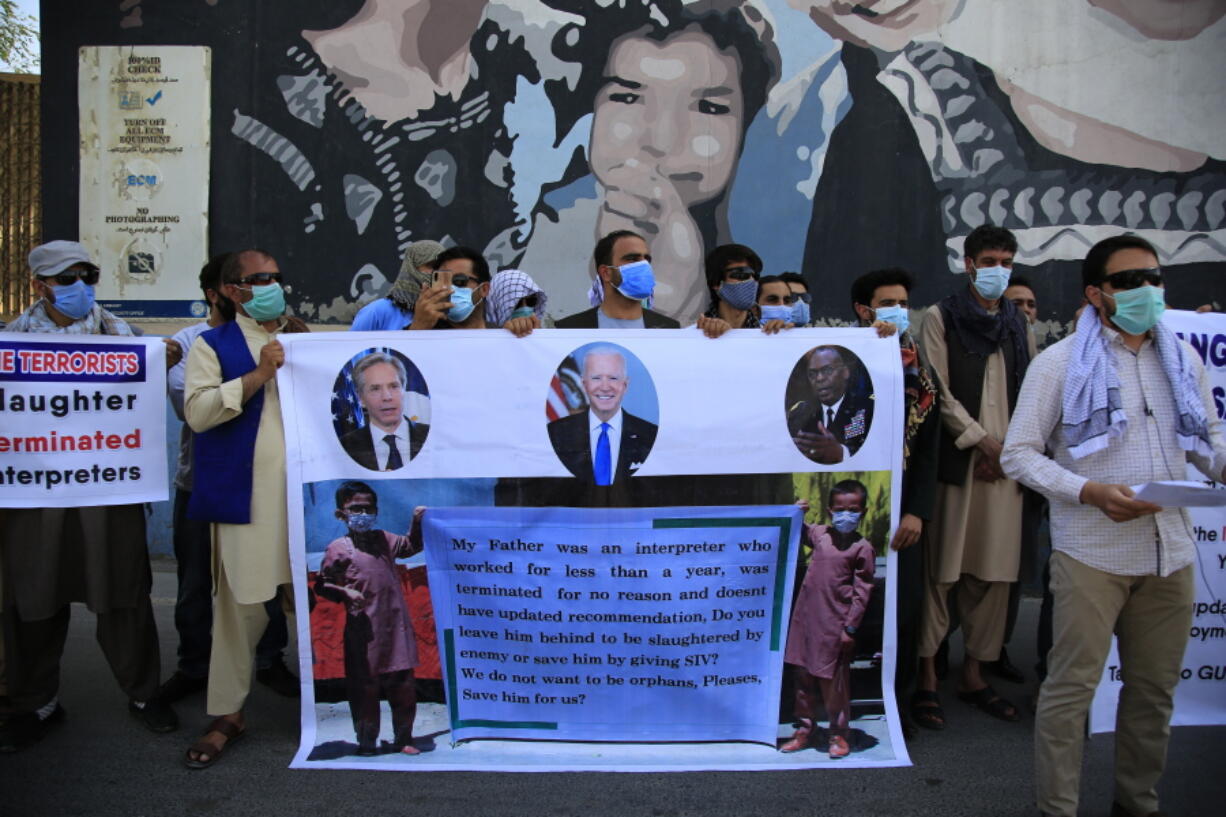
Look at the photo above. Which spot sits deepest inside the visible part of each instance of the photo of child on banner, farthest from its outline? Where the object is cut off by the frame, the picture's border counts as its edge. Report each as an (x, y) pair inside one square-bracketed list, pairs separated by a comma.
[(380, 651), (836, 584)]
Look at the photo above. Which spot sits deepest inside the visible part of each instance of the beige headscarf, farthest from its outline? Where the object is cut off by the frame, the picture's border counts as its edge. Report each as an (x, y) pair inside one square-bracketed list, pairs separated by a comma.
[(411, 282)]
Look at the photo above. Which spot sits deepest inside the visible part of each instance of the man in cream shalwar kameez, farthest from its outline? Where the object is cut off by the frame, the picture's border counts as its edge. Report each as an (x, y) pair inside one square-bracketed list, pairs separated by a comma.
[(250, 561)]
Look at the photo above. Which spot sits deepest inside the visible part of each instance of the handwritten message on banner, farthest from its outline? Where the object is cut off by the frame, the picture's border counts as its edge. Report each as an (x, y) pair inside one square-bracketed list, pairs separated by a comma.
[(583, 545), (1200, 698), (613, 624), (82, 421)]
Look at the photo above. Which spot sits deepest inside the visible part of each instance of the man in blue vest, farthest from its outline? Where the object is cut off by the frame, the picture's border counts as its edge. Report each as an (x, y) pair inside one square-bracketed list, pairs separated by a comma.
[(193, 544), (232, 404)]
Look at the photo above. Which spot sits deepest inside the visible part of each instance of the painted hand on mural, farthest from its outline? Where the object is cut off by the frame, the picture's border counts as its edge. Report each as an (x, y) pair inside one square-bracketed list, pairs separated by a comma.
[(651, 206), (665, 137)]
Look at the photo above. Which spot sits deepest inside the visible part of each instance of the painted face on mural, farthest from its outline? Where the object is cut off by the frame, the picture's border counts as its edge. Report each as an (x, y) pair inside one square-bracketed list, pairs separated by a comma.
[(885, 24), (669, 112)]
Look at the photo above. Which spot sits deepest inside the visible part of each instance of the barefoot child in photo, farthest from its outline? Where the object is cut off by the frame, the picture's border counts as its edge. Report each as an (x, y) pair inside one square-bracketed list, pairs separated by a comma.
[(827, 612)]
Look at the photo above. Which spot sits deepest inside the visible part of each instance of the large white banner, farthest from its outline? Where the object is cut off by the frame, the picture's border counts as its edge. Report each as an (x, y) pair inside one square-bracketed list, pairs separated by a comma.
[(82, 420), (1200, 698), (144, 114), (579, 604)]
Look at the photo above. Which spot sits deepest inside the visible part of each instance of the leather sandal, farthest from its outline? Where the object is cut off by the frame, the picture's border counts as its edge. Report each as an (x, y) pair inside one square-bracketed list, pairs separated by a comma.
[(989, 701), (926, 710), (202, 747)]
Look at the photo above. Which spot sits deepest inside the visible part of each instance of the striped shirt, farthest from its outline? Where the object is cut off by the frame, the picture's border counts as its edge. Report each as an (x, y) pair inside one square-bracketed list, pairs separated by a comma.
[(1034, 454)]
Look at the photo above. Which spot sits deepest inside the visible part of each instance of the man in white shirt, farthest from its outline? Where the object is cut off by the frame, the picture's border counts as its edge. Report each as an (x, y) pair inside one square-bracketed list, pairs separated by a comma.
[(1121, 402), (389, 438)]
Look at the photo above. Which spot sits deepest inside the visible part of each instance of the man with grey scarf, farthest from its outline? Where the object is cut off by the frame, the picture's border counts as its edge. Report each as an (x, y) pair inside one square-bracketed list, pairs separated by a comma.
[(1121, 402)]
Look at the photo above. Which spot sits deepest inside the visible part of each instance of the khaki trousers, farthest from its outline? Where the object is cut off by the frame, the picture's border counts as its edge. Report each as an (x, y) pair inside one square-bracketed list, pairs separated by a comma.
[(237, 629), (982, 607), (1151, 617)]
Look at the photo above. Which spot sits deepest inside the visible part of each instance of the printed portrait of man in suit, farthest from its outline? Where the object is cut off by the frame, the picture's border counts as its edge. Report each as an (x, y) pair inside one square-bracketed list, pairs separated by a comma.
[(389, 438), (604, 444), (830, 404)]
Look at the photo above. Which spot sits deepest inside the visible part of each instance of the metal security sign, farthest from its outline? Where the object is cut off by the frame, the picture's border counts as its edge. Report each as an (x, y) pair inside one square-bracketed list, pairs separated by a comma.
[(144, 114)]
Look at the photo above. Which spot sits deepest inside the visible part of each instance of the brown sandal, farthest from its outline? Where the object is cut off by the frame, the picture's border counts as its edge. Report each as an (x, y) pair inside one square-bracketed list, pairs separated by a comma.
[(202, 747)]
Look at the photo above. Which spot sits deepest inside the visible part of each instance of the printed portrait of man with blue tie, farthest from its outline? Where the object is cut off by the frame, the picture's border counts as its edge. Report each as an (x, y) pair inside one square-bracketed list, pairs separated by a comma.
[(383, 432), (601, 442)]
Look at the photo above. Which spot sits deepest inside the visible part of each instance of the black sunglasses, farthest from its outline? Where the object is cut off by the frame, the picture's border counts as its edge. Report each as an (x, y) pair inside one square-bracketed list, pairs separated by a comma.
[(260, 279), (462, 280), (802, 296), (69, 277), (1133, 278), (738, 273)]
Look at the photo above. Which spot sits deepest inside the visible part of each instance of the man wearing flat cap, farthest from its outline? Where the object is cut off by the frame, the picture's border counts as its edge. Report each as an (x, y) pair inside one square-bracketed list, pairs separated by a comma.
[(55, 556)]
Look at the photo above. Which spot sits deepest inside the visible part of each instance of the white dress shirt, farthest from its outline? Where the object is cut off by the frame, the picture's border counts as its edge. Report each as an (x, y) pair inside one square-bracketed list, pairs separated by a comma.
[(382, 450), (615, 438)]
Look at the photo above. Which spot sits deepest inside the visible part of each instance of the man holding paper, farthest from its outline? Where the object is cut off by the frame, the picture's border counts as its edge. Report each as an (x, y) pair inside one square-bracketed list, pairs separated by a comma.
[(1120, 402)]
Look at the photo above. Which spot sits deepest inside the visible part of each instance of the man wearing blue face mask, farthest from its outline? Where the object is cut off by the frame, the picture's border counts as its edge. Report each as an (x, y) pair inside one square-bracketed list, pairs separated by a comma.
[(625, 280), (979, 344), (732, 278), (1121, 402), (359, 571), (884, 296), (55, 556), (456, 300), (800, 291)]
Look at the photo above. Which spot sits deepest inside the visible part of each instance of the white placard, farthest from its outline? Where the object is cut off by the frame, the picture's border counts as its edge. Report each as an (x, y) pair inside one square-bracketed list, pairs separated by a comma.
[(82, 421)]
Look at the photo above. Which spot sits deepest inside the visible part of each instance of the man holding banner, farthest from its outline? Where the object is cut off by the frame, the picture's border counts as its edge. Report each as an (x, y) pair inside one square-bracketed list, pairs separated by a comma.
[(55, 556), (233, 405), (1121, 403)]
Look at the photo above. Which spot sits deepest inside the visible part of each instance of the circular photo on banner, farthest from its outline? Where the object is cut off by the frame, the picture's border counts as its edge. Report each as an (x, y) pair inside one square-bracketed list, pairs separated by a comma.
[(381, 409), (602, 411), (829, 404)]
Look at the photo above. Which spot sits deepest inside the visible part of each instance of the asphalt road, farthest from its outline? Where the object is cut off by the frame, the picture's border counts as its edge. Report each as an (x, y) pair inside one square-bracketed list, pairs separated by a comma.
[(100, 762)]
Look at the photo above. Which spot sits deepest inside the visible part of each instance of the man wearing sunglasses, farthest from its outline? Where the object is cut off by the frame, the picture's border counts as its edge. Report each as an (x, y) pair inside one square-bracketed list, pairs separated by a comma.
[(232, 404), (1120, 402), (740, 298), (55, 556), (456, 298), (64, 280)]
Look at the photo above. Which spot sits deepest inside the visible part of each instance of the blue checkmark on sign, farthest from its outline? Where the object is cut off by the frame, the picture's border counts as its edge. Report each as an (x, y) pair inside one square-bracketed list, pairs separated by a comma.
[(153, 99)]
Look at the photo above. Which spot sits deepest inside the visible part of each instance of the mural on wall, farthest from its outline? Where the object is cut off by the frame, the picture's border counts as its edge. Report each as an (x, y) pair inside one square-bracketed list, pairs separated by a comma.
[(831, 137)]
